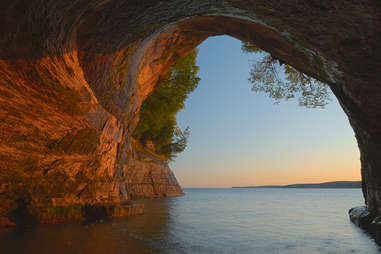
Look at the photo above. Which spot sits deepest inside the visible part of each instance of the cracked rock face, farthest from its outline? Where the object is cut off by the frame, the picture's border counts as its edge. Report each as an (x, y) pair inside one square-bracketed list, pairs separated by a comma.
[(73, 75)]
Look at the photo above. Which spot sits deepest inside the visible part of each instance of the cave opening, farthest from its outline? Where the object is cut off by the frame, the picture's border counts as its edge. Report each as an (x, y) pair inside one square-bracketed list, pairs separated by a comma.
[(239, 137), (166, 46)]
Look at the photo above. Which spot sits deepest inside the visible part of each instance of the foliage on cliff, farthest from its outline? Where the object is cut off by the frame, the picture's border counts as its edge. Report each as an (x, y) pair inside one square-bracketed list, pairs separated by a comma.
[(282, 81), (157, 128), (157, 122)]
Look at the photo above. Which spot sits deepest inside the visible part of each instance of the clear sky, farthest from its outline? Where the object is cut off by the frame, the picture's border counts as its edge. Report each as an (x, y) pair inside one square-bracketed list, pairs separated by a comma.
[(239, 137)]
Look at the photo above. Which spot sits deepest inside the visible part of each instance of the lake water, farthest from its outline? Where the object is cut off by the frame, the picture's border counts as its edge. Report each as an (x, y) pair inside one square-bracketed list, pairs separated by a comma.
[(213, 221)]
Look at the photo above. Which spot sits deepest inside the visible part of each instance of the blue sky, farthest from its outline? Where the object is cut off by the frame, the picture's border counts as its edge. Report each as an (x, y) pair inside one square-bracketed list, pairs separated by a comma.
[(239, 137)]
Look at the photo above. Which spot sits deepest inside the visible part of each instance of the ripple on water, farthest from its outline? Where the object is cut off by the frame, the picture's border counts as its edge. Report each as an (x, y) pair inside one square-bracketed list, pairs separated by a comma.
[(213, 221)]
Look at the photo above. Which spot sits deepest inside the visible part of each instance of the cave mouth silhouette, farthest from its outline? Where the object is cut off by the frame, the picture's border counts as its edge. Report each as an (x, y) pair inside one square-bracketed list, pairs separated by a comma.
[(209, 96), (160, 50)]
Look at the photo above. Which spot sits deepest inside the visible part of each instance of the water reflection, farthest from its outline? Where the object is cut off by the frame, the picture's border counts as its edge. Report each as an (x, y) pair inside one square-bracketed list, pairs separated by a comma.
[(286, 221), (131, 235)]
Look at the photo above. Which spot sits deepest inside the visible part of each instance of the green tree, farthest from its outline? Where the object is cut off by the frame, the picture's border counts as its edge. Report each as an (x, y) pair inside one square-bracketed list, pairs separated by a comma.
[(157, 122), (282, 81)]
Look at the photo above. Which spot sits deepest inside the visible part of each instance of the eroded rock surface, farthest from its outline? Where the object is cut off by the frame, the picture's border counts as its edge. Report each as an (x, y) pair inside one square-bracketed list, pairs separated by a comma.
[(73, 75)]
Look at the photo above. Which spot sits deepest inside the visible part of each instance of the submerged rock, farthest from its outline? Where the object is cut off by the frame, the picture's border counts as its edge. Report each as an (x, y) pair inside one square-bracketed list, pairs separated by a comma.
[(369, 221), (361, 217), (5, 222), (73, 214)]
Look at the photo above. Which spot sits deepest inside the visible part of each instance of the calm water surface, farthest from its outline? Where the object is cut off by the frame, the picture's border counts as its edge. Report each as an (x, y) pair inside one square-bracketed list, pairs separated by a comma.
[(213, 221)]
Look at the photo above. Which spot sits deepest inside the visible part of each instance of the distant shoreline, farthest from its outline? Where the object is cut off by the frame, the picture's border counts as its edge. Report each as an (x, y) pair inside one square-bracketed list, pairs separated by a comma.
[(326, 185)]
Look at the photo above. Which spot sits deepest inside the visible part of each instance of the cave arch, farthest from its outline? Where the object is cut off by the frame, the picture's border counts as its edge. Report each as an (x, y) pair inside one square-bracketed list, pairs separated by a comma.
[(90, 67)]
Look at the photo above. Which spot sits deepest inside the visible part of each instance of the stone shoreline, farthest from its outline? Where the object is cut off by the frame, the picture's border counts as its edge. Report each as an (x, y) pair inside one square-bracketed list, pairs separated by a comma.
[(368, 221)]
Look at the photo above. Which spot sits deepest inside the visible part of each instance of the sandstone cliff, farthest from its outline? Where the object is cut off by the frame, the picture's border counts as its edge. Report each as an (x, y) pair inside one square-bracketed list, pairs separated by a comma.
[(74, 73)]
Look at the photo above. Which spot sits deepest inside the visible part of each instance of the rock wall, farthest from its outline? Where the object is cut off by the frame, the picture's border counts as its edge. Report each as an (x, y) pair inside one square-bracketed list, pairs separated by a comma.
[(74, 73)]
